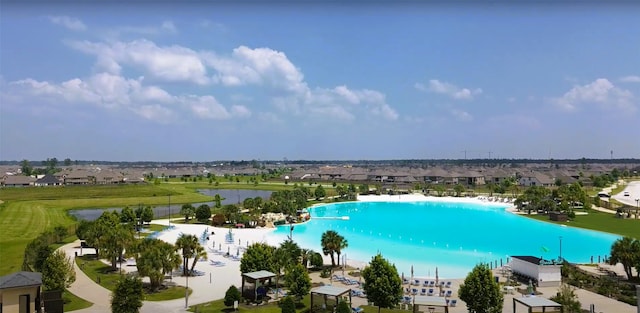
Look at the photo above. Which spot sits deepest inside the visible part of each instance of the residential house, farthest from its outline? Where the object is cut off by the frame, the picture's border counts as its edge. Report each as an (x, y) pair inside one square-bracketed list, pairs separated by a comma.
[(18, 181), (20, 292), (535, 178), (48, 180)]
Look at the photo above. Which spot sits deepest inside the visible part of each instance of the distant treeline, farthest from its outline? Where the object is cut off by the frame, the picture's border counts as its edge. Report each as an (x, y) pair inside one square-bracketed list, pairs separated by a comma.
[(407, 162)]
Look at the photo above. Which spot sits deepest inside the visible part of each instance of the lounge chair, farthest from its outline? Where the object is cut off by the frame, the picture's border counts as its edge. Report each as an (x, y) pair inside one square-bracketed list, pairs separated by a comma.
[(430, 293), (357, 310), (217, 263), (407, 290), (407, 299), (432, 283), (414, 291), (448, 284), (423, 292), (453, 302), (425, 283), (416, 282), (405, 281), (449, 293)]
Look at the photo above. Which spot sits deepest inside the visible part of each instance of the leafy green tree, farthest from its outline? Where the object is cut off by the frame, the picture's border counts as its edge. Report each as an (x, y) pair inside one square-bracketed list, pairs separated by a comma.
[(320, 192), (218, 200), (481, 292), (288, 305), (83, 228), (567, 297), (57, 271), (61, 232), (232, 295), (343, 307), (187, 211), (155, 259), (382, 284), (230, 211), (128, 295), (316, 260), (297, 278), (203, 213), (259, 256), (26, 167), (110, 237), (67, 162), (626, 251), (127, 215), (35, 255), (147, 215), (458, 189)]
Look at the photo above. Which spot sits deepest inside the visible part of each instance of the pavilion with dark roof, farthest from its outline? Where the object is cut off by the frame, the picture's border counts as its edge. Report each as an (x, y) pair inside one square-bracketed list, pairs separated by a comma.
[(257, 279), (537, 302)]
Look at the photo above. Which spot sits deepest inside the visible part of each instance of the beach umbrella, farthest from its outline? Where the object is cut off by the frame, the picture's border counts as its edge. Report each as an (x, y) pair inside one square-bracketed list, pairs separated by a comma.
[(402, 278), (220, 247), (530, 288), (437, 283), (238, 252), (228, 250)]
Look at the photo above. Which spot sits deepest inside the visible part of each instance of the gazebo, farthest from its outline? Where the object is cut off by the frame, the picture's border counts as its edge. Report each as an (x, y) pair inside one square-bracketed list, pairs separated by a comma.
[(329, 291), (256, 278), (536, 302), (429, 302)]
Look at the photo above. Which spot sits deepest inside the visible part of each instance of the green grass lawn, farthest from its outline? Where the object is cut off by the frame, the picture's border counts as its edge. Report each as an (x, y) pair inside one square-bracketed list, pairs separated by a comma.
[(73, 302), (218, 306), (102, 274), (600, 221)]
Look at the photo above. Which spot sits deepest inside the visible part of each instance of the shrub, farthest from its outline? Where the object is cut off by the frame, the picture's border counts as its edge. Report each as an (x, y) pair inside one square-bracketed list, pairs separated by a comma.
[(287, 305), (232, 295)]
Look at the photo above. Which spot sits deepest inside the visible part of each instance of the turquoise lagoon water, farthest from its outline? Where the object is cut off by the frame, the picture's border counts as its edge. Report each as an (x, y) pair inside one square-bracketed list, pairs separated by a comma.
[(451, 236)]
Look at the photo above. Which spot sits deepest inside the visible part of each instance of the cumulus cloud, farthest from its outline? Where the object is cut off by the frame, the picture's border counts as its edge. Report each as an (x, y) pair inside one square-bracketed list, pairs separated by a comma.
[(601, 92), (68, 22), (113, 92), (451, 90), (461, 115), (630, 79), (264, 68)]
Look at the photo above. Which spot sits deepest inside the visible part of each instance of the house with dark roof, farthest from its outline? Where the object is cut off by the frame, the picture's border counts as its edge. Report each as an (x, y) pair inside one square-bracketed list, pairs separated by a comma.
[(48, 180), (20, 292)]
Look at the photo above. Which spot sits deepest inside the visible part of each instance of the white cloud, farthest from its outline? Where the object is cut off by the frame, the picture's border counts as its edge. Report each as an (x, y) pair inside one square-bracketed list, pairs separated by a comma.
[(68, 22), (601, 92), (171, 63), (240, 111), (260, 67), (461, 115), (630, 79), (169, 26), (448, 89), (113, 92)]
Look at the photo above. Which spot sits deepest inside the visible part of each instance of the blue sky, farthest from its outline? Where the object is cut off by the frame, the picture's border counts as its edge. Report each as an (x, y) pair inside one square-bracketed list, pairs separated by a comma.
[(320, 81)]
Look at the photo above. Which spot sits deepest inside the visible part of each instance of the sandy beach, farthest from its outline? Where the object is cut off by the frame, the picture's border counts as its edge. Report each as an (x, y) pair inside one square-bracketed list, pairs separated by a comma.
[(214, 280)]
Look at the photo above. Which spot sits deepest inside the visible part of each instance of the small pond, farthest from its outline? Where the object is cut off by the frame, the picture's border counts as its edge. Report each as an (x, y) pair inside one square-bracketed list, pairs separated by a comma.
[(229, 196)]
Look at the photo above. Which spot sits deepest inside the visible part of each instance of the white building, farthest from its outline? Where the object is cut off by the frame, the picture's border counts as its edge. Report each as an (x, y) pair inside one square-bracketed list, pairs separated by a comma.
[(542, 272)]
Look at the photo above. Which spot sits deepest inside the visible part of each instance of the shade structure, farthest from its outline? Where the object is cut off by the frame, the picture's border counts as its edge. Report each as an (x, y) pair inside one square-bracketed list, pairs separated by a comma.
[(429, 302)]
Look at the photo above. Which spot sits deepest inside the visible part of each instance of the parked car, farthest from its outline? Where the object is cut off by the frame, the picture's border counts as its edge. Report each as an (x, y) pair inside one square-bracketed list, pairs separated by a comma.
[(626, 193)]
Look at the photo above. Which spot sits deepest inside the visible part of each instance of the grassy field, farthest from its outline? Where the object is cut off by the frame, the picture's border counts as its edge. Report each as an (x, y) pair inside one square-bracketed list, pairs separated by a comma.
[(218, 306), (72, 302), (600, 221)]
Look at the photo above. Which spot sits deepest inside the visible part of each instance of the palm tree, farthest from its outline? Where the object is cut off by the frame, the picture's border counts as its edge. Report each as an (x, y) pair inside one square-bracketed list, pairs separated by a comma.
[(332, 243), (198, 253), (305, 254), (341, 244), (188, 244), (625, 251), (328, 242)]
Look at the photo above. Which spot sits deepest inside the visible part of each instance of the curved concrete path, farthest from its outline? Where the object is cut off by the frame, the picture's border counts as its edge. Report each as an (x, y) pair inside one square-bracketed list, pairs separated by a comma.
[(86, 288)]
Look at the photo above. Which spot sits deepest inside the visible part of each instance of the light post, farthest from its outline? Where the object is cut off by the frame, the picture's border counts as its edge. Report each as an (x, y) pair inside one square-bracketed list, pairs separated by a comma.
[(637, 207), (186, 293), (560, 248), (169, 210)]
